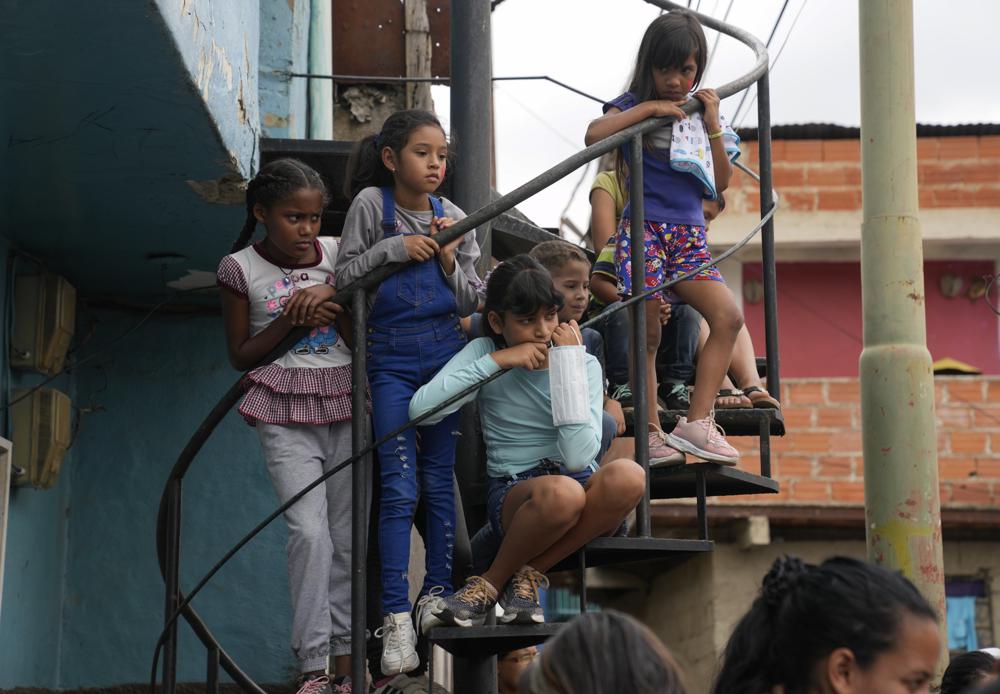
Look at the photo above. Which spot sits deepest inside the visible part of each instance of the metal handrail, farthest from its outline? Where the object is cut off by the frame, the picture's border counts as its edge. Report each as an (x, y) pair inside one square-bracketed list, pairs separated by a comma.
[(168, 521)]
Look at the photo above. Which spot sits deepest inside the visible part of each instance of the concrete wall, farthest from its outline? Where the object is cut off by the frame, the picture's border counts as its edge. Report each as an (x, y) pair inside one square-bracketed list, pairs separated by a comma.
[(284, 47), (218, 42)]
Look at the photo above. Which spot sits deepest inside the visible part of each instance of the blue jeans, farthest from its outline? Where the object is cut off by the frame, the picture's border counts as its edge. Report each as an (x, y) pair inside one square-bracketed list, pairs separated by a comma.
[(678, 346), (615, 331), (401, 361)]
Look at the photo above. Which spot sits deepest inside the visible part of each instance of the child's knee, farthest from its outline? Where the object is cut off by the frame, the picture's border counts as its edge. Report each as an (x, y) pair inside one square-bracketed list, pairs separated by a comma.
[(727, 321), (625, 480), (562, 499)]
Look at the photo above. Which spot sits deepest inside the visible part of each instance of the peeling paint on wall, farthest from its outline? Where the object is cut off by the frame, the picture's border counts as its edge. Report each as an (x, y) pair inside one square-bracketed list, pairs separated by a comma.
[(227, 190)]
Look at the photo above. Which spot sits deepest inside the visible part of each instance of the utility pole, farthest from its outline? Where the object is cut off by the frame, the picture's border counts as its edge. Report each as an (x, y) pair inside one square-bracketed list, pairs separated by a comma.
[(902, 502)]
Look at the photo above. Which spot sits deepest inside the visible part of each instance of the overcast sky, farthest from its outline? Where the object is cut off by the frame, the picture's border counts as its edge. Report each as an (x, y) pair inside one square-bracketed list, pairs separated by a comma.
[(591, 44)]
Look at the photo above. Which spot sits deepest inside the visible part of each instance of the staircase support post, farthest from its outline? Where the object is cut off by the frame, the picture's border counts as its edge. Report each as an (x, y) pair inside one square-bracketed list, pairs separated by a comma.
[(640, 412), (902, 503), (360, 473)]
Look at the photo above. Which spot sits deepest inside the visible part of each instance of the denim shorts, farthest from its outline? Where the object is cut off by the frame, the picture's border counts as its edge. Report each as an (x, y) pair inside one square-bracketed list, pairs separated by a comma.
[(499, 487)]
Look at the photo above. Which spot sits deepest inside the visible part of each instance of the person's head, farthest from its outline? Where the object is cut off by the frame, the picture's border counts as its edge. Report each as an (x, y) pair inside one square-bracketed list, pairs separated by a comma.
[(713, 208), (969, 670), (601, 652), (511, 665), (845, 627), (287, 197), (521, 305), (671, 58), (570, 272), (410, 152)]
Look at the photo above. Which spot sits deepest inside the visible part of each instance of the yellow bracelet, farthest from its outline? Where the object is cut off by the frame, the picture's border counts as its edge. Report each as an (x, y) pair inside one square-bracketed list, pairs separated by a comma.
[(715, 136)]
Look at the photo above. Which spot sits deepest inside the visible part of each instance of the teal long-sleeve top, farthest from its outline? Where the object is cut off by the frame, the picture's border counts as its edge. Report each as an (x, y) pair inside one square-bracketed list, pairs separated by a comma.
[(515, 410)]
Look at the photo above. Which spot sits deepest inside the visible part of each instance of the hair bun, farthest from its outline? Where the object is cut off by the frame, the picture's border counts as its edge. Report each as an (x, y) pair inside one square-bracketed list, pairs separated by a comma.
[(780, 581)]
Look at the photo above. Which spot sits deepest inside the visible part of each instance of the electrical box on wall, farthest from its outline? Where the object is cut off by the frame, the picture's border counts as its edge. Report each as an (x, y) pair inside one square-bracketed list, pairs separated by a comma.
[(44, 321), (41, 435)]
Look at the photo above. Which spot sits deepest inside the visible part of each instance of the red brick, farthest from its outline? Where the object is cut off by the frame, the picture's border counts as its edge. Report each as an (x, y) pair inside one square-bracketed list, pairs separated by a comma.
[(788, 175), (849, 492), (989, 146), (964, 147), (805, 393), (807, 490), (986, 417), (834, 417), (939, 390), (751, 201), (954, 416), (986, 196), (841, 150), (836, 466), (952, 468), (846, 441), (844, 391), (804, 442), (944, 489), (960, 173), (846, 199), (778, 149), (801, 150), (927, 148), (988, 468), (798, 417), (968, 442), (798, 201), (926, 197), (972, 390), (746, 445), (995, 443), (833, 175), (975, 493), (749, 152), (789, 466)]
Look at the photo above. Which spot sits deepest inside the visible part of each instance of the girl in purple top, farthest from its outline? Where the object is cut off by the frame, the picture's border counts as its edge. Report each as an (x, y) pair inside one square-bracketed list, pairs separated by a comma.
[(669, 65)]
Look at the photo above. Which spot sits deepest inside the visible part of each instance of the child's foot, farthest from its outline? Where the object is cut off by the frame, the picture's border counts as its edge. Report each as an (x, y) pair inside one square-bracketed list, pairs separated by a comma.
[(675, 396), (341, 685), (623, 394), (469, 605), (427, 608), (660, 454), (314, 685), (703, 438), (520, 601), (399, 644)]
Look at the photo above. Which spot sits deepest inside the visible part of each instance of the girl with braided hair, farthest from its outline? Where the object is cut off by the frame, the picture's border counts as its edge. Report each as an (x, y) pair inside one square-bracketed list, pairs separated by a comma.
[(842, 627), (300, 403)]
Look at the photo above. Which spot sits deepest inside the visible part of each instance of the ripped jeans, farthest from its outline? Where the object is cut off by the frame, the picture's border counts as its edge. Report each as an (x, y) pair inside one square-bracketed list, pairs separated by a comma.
[(423, 459)]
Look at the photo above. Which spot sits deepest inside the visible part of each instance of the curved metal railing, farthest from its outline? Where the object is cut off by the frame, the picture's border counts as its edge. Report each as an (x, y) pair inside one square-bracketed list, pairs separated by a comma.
[(169, 515)]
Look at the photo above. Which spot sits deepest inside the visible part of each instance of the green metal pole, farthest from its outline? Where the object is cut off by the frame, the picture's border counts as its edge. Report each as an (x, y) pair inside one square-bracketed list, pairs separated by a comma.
[(902, 503)]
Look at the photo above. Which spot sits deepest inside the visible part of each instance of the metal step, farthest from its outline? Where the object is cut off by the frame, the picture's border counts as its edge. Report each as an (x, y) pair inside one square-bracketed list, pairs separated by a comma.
[(623, 550), (478, 642), (680, 481), (750, 421)]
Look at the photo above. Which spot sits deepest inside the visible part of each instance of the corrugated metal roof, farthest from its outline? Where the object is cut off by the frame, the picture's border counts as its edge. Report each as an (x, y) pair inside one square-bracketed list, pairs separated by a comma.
[(830, 131)]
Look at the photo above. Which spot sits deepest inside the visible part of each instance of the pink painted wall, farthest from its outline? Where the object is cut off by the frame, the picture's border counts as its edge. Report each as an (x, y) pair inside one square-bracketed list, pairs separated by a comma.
[(820, 326)]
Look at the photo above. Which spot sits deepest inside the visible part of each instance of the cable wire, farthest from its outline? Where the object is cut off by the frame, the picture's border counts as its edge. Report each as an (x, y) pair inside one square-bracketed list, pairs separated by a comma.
[(774, 29)]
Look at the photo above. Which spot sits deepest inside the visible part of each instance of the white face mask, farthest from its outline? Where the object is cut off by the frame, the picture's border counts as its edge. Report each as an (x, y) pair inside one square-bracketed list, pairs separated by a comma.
[(568, 385)]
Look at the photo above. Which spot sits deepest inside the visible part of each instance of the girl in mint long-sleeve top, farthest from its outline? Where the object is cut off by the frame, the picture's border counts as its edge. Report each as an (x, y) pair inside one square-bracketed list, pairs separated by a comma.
[(545, 497)]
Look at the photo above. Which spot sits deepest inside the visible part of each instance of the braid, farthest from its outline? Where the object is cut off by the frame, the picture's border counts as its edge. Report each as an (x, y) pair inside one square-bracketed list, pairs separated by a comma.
[(274, 182)]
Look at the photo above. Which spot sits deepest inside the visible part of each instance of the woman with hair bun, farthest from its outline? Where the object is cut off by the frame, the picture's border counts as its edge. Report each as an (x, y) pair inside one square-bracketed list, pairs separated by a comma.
[(842, 627)]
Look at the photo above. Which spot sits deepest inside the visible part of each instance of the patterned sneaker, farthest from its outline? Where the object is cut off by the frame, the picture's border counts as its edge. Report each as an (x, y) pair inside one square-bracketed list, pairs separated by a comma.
[(520, 601), (426, 611), (703, 438), (342, 685), (623, 394), (675, 396), (399, 644), (660, 454), (315, 685), (469, 605)]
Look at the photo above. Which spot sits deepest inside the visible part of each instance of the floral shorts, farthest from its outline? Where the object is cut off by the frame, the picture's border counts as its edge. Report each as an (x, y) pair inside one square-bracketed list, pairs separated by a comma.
[(671, 250)]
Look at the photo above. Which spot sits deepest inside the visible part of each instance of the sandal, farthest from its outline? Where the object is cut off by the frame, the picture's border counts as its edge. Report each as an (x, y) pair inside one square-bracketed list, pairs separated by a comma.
[(736, 400), (763, 400)]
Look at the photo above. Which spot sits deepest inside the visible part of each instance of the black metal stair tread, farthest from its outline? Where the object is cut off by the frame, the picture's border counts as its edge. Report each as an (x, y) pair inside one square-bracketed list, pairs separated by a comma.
[(679, 481), (606, 551), (490, 640)]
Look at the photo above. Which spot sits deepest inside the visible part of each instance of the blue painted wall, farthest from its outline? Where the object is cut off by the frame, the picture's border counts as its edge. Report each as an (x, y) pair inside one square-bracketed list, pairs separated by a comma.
[(284, 26), (154, 389)]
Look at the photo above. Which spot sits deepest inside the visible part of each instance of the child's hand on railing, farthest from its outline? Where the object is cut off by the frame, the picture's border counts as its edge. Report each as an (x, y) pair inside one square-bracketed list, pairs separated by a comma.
[(659, 108), (527, 355), (303, 304), (420, 247), (567, 334), (446, 253), (324, 315), (711, 115), (665, 312)]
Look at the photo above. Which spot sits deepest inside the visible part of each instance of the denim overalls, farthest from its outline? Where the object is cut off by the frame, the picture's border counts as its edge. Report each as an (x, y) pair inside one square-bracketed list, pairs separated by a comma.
[(413, 331)]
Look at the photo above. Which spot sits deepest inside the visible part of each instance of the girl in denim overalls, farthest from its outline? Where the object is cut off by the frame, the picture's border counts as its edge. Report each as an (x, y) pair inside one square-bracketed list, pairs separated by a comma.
[(413, 330)]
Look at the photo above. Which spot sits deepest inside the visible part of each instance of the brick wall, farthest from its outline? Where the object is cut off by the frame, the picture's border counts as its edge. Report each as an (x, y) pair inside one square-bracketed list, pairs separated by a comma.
[(819, 461), (826, 174)]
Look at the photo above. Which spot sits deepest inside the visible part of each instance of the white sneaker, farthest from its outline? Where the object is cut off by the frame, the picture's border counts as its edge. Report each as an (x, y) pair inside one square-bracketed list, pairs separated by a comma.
[(399, 644), (427, 609)]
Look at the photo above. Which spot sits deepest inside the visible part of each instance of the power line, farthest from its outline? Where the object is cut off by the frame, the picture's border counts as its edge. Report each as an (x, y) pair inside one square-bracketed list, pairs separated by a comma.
[(718, 35), (774, 29)]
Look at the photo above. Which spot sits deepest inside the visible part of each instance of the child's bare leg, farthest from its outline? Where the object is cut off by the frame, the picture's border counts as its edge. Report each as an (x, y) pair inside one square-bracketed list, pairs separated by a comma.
[(744, 362), (536, 513), (715, 302), (653, 333), (612, 492)]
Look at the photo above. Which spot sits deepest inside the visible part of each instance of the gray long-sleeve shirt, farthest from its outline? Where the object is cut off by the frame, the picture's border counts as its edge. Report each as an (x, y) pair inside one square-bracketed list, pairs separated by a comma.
[(363, 247)]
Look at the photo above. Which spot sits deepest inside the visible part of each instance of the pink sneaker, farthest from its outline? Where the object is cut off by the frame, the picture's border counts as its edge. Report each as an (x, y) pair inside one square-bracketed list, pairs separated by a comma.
[(660, 454), (703, 438)]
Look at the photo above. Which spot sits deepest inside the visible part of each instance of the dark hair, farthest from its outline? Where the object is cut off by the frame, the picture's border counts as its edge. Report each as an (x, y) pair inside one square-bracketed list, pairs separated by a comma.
[(721, 201), (668, 41), (967, 670), (601, 652), (276, 181), (804, 612), (518, 285), (365, 167), (557, 253)]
